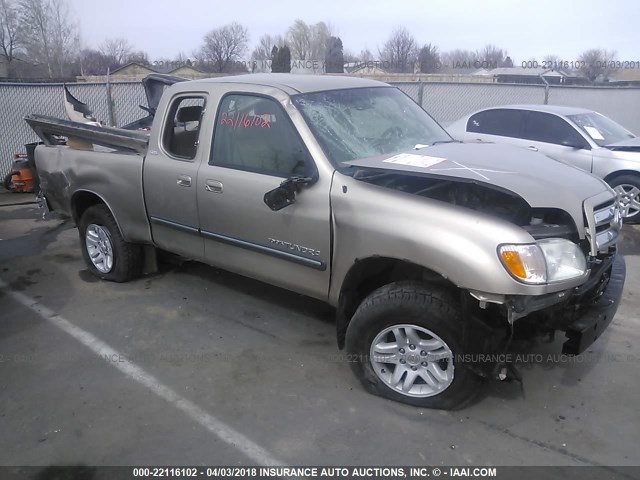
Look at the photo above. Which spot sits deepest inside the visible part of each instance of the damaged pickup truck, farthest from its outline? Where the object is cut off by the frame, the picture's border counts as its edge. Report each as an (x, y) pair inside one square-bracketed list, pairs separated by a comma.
[(433, 252)]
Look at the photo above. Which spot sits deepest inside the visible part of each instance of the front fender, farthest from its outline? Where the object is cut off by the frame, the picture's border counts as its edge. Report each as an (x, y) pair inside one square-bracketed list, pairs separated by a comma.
[(458, 243)]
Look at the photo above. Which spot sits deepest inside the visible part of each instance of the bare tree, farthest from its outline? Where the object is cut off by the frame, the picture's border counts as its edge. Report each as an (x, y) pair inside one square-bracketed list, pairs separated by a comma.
[(491, 57), (262, 53), (459, 60), (596, 64), (265, 46), (119, 50), (365, 56), (51, 36), (308, 42), (93, 62), (399, 51), (138, 56), (299, 40), (10, 40), (321, 32), (223, 47)]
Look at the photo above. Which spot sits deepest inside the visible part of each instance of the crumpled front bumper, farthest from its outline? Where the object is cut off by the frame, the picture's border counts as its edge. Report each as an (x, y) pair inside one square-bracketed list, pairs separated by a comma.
[(590, 321)]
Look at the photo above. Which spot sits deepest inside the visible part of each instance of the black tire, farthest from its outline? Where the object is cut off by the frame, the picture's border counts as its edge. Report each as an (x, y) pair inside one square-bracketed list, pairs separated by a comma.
[(127, 257), (416, 304), (628, 180)]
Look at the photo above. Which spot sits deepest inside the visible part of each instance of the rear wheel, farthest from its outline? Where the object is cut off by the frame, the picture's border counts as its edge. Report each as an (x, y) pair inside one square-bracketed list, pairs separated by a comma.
[(105, 252), (404, 343), (628, 189)]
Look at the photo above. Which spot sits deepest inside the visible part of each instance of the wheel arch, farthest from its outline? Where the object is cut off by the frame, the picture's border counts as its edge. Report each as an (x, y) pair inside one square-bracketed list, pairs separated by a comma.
[(370, 273), (620, 173), (83, 200)]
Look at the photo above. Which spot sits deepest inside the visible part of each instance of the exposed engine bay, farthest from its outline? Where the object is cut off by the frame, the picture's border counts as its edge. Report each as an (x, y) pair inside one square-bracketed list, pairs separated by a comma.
[(540, 223)]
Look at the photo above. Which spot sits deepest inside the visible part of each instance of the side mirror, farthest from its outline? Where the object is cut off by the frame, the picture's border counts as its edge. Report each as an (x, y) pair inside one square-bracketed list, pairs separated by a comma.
[(285, 194)]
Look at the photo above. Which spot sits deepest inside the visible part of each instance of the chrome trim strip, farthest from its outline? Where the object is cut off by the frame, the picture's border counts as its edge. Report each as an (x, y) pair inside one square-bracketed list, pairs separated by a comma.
[(256, 247), (177, 226), (606, 238), (605, 215)]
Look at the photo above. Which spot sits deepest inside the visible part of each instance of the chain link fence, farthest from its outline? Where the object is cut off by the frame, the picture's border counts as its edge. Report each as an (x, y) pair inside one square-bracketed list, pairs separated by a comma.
[(446, 102), (19, 100)]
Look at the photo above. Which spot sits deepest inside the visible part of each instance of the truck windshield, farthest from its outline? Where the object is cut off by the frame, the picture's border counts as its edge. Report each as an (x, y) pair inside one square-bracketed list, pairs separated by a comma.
[(601, 129), (365, 122)]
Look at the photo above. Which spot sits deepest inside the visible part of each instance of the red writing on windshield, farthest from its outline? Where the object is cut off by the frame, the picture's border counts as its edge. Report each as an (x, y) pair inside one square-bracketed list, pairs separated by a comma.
[(245, 120)]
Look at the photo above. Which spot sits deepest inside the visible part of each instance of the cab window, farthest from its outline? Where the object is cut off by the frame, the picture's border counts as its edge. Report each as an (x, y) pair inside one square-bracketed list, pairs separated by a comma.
[(255, 134), (182, 127)]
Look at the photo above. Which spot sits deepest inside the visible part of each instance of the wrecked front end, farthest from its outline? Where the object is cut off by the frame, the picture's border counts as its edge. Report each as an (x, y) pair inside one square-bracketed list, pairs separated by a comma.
[(572, 279)]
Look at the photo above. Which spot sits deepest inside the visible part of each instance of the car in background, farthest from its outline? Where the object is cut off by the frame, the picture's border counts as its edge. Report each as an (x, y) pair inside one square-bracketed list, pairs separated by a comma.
[(582, 138)]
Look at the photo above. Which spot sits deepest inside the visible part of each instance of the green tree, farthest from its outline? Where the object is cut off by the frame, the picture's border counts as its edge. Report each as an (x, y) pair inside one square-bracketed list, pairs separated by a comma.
[(280, 59), (334, 56), (429, 59), (284, 59)]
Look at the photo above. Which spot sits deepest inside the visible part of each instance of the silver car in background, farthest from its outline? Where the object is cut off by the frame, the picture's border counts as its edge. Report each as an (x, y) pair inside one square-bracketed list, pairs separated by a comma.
[(582, 138)]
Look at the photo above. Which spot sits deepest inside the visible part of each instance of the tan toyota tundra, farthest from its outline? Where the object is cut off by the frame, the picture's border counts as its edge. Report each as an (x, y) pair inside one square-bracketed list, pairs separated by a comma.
[(433, 252)]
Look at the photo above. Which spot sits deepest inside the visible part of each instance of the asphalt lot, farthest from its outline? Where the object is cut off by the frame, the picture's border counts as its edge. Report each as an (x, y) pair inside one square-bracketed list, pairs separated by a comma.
[(255, 366)]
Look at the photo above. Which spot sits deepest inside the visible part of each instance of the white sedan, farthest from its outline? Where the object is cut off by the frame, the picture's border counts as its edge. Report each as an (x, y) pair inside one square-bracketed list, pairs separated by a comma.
[(583, 138)]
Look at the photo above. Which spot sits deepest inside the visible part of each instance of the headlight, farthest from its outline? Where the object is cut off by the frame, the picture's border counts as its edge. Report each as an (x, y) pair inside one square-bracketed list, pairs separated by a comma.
[(564, 259), (547, 261)]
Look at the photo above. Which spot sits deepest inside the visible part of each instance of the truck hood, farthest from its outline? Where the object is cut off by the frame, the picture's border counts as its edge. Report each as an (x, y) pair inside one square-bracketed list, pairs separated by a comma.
[(628, 145), (539, 180)]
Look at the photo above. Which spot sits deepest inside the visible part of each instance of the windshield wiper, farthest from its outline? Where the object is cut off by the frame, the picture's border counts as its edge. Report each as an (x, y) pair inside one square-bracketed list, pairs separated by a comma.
[(425, 145)]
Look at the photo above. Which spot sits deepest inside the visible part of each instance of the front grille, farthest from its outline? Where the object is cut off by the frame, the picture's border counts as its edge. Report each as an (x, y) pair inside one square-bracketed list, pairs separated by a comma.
[(603, 224)]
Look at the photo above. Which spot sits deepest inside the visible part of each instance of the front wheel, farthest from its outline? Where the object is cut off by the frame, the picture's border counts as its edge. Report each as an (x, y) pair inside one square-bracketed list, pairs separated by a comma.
[(404, 342), (105, 252), (628, 189)]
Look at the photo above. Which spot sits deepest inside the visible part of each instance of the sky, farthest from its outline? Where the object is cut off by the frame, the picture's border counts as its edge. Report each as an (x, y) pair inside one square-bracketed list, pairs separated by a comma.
[(525, 29)]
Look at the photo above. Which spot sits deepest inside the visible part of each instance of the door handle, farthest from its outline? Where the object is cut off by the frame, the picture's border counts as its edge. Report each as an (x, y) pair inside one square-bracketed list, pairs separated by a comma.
[(532, 148), (184, 180), (213, 186)]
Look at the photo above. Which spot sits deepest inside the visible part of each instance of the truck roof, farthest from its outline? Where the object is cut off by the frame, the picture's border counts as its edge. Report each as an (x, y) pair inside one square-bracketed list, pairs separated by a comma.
[(296, 83)]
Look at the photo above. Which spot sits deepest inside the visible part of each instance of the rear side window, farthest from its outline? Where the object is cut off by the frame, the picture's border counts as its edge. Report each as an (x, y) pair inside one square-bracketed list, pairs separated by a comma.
[(504, 122), (182, 128), (255, 134), (548, 128)]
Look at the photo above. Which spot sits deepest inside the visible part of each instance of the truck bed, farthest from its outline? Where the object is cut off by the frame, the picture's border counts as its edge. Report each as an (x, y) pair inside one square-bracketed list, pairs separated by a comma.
[(72, 178), (50, 128)]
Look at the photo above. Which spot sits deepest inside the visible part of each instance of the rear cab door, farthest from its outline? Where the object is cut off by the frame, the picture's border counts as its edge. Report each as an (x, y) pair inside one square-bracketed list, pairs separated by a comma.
[(171, 169), (257, 143)]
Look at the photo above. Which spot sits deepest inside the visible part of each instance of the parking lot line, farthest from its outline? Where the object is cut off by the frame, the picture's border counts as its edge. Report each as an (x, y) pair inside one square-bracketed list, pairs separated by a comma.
[(217, 427)]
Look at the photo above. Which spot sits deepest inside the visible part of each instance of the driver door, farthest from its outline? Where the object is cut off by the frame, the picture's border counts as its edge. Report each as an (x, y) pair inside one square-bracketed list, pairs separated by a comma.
[(255, 148)]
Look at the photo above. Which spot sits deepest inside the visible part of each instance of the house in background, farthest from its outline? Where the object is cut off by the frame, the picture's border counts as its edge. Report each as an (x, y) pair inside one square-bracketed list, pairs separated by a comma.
[(364, 68), (624, 77), (188, 71), (532, 76), (132, 71)]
